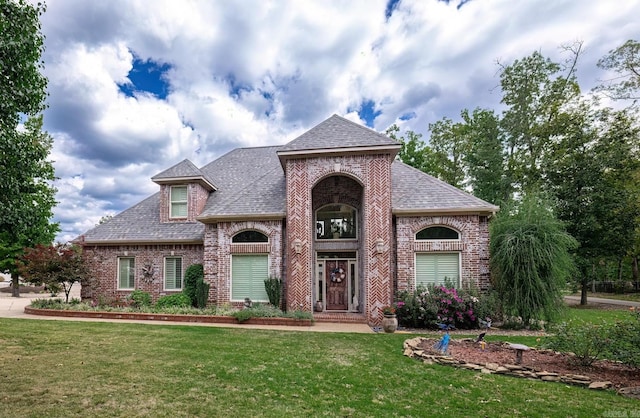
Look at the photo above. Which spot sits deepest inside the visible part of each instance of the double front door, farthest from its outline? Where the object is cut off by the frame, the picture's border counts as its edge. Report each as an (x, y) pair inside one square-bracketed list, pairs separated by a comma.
[(336, 284)]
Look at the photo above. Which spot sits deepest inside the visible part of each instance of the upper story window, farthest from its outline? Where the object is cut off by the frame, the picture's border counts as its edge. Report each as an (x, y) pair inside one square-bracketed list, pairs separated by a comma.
[(438, 233), (178, 201), (249, 236), (336, 222)]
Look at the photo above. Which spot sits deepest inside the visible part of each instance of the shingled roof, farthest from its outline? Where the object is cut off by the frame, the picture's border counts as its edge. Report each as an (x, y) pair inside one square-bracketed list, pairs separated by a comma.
[(415, 192), (184, 170), (337, 133), (250, 184)]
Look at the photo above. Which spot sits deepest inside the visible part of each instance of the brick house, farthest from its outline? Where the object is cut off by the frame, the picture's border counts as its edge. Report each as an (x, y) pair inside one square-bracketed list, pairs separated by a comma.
[(333, 213)]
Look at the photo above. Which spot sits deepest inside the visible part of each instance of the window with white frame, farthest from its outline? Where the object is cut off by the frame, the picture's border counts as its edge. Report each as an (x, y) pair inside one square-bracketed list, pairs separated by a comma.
[(437, 268), (248, 273), (126, 273), (173, 273), (178, 201)]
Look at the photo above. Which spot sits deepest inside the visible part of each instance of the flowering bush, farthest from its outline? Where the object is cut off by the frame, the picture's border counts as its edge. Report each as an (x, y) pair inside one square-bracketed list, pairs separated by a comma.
[(428, 306)]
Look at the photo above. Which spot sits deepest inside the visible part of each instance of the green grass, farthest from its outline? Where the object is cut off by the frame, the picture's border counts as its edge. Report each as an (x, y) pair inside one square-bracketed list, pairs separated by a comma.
[(594, 315), (67, 368)]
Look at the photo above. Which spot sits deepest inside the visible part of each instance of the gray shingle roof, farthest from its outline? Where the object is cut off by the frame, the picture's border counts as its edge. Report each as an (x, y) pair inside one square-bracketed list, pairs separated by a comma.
[(338, 132), (251, 184), (141, 223), (185, 169), (414, 191)]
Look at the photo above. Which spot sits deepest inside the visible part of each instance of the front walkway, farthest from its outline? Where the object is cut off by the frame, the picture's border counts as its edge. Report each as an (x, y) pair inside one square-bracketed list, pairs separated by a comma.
[(11, 307)]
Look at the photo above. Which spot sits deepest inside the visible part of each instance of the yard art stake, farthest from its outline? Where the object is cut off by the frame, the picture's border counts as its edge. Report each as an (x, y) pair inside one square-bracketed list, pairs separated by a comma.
[(443, 345)]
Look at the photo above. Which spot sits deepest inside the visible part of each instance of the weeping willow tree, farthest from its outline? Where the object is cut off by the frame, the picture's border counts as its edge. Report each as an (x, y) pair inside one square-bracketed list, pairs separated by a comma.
[(530, 259)]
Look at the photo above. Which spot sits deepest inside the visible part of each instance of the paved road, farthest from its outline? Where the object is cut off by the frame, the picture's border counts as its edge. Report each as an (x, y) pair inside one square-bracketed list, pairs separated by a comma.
[(590, 300)]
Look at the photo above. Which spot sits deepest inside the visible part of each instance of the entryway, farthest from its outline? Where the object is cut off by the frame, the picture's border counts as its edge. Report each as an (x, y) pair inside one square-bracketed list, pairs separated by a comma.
[(336, 286)]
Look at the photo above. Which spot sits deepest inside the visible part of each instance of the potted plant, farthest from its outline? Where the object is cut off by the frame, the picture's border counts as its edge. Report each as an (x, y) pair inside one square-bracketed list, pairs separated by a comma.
[(389, 321)]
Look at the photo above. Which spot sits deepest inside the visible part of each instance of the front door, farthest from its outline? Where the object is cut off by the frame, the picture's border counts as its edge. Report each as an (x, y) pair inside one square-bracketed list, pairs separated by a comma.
[(337, 275)]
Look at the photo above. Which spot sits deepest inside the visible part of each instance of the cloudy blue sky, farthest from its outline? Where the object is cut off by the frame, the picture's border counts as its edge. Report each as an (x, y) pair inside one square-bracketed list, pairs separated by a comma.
[(138, 85)]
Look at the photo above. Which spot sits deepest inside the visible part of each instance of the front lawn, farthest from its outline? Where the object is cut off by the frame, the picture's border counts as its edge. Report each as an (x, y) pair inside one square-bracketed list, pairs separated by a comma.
[(65, 368)]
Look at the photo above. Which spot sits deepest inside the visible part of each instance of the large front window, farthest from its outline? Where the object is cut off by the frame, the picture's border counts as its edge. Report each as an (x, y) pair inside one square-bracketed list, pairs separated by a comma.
[(248, 273), (336, 222)]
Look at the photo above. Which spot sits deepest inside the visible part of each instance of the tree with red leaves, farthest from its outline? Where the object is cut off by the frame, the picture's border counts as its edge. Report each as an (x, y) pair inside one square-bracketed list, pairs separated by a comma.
[(56, 266)]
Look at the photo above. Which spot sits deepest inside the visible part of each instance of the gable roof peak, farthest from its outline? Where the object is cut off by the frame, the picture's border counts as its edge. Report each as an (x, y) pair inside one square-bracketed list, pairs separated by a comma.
[(338, 134), (183, 171)]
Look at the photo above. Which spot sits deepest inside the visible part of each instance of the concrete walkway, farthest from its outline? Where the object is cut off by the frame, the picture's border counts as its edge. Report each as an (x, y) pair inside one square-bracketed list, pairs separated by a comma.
[(11, 307)]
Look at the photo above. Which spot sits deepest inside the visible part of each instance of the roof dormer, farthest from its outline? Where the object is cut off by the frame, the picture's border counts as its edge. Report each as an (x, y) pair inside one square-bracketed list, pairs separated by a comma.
[(184, 191)]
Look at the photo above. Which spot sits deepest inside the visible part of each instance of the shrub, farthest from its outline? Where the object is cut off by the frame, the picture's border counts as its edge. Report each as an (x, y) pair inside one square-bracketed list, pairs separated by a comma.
[(273, 286), (176, 300), (586, 340), (625, 340), (243, 315), (139, 298), (193, 275), (202, 293), (428, 306)]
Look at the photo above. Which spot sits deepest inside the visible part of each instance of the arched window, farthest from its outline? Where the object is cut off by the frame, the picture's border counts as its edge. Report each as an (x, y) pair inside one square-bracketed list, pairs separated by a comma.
[(336, 222), (249, 236), (436, 233)]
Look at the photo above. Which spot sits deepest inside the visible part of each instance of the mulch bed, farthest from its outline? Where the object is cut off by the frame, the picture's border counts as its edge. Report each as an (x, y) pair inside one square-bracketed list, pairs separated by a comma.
[(620, 375)]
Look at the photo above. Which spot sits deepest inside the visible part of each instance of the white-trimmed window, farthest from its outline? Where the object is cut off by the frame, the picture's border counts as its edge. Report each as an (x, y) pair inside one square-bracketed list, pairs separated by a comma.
[(178, 201), (173, 273), (126, 273), (248, 273), (434, 233), (336, 222), (436, 268)]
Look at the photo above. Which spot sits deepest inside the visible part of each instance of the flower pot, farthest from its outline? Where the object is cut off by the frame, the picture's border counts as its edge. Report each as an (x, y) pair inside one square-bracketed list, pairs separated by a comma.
[(318, 307), (390, 323)]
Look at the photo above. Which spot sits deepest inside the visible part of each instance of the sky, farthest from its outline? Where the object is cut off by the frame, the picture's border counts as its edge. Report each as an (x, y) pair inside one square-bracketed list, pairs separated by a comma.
[(136, 86)]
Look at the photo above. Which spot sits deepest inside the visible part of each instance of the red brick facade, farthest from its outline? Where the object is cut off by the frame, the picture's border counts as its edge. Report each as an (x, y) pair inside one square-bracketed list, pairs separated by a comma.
[(373, 174), (385, 247), (149, 267)]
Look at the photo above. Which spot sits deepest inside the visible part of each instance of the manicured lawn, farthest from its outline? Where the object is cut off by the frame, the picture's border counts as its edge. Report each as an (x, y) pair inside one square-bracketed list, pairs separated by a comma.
[(66, 368), (594, 315)]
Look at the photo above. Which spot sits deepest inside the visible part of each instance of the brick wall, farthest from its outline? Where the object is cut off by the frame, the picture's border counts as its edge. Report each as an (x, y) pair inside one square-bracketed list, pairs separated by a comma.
[(473, 247), (373, 174), (218, 245), (103, 262), (197, 197)]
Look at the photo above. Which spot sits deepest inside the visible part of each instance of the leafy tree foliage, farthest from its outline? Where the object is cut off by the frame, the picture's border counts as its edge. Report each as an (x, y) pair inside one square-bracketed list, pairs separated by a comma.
[(56, 266), (26, 196), (624, 62), (530, 259)]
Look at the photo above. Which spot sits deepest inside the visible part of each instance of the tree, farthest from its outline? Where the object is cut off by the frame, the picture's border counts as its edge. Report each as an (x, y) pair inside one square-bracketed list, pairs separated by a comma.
[(56, 266), (591, 171), (485, 158), (26, 195), (413, 148), (624, 61), (448, 145), (530, 259), (535, 91)]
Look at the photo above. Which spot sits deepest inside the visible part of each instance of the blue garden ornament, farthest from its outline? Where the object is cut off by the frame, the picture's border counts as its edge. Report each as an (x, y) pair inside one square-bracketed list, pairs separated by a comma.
[(443, 345)]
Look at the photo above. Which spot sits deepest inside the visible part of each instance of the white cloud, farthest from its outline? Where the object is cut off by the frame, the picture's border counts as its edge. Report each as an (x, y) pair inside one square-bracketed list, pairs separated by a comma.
[(257, 73)]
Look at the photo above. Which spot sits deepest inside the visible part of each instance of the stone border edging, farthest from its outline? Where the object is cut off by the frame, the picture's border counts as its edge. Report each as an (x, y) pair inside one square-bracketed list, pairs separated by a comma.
[(411, 350), (209, 319)]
